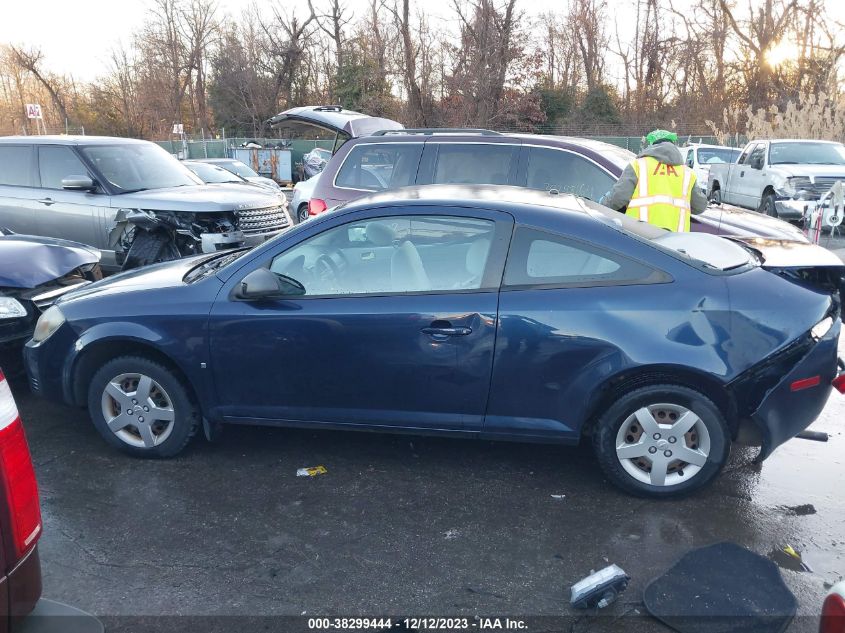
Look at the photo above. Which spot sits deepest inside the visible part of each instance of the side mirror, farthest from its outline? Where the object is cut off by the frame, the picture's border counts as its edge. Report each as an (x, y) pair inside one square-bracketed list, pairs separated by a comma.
[(263, 284), (78, 183), (757, 162)]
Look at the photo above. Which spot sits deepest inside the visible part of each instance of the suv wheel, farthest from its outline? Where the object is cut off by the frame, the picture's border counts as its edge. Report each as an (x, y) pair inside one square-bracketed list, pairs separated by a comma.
[(140, 407), (661, 441)]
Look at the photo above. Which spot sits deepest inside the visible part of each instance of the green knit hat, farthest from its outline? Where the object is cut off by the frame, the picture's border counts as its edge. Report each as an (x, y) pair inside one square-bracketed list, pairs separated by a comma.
[(661, 135)]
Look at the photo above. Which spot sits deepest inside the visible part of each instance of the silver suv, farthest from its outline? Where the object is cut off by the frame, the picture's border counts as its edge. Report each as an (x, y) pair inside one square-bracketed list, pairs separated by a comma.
[(128, 198)]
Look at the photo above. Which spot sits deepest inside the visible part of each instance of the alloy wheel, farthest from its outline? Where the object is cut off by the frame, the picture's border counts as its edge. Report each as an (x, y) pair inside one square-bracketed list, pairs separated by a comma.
[(138, 410), (663, 444)]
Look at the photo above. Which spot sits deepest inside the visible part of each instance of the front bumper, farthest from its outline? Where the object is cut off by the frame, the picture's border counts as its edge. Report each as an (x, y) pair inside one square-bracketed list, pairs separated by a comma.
[(789, 209), (785, 410), (213, 242)]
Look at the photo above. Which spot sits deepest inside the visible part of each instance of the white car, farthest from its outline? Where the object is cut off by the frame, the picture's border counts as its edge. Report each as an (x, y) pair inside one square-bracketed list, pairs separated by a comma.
[(699, 157), (301, 195)]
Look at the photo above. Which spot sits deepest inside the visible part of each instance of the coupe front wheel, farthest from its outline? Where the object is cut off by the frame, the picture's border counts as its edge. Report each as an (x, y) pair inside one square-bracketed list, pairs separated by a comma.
[(662, 441), (142, 408)]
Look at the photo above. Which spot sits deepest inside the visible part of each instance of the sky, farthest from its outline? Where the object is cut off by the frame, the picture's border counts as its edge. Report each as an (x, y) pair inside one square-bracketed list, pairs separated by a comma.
[(76, 37)]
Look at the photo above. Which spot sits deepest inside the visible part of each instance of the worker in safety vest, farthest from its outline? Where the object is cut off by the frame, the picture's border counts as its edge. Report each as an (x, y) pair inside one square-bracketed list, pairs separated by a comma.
[(657, 187)]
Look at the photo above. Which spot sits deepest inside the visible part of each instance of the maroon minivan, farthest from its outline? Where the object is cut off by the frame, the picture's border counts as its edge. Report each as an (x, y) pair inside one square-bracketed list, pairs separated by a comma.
[(374, 154)]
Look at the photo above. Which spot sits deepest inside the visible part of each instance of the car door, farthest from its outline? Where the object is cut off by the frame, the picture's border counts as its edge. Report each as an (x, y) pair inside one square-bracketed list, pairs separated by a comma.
[(565, 171), (71, 215), (754, 179), (18, 188), (396, 327)]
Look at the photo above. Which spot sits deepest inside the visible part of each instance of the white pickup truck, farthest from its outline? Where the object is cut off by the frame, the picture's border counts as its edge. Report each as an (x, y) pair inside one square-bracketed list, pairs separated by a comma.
[(782, 178)]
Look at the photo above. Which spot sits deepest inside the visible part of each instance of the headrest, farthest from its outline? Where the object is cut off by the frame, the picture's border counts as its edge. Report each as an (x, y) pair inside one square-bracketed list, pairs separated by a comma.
[(380, 234)]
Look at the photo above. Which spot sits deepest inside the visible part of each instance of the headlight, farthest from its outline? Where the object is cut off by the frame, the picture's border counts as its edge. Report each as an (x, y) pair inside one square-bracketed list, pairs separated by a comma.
[(11, 308), (821, 328), (48, 323), (791, 187)]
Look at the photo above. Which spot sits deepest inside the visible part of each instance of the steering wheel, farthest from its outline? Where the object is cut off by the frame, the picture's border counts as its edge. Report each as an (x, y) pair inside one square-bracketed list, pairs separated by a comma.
[(326, 271)]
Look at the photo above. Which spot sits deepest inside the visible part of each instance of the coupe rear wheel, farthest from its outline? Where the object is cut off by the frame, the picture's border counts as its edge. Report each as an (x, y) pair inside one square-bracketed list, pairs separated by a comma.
[(302, 213), (662, 440), (140, 407)]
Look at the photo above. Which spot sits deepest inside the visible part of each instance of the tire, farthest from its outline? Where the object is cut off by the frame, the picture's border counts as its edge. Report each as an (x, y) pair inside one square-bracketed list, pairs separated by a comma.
[(148, 248), (716, 196), (302, 213), (767, 205), (625, 451), (112, 393)]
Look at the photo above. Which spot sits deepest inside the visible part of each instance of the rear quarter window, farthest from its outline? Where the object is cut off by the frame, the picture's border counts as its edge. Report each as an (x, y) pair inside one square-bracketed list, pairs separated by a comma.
[(376, 167), (541, 259)]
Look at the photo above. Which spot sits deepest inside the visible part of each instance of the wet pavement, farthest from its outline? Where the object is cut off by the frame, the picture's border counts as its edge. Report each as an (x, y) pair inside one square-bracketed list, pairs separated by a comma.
[(399, 524)]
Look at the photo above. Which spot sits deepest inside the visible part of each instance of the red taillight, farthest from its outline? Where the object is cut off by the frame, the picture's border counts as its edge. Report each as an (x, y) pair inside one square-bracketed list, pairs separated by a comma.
[(839, 383), (316, 206), (833, 615), (17, 475), (805, 383)]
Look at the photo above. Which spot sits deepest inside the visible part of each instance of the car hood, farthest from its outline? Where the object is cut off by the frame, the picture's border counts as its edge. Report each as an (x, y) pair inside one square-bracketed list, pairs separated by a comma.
[(730, 220), (27, 261), (827, 171), (163, 275), (786, 254), (199, 198)]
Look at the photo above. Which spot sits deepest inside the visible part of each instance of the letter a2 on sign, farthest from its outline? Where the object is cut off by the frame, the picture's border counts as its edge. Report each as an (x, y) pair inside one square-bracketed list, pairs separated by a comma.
[(33, 111)]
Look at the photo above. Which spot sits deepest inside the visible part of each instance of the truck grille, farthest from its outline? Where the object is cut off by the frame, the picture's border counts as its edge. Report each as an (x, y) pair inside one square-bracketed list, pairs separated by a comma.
[(258, 221), (823, 184)]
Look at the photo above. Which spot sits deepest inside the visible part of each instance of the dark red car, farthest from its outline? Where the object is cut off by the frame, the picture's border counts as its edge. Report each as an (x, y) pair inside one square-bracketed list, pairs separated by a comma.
[(372, 154), (22, 609), (20, 517)]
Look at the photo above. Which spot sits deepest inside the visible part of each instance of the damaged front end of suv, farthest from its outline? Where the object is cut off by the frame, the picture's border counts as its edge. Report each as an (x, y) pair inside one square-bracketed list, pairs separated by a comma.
[(144, 236)]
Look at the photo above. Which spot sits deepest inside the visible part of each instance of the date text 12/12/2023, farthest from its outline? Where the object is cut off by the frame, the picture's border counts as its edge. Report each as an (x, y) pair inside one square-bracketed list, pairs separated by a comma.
[(416, 624)]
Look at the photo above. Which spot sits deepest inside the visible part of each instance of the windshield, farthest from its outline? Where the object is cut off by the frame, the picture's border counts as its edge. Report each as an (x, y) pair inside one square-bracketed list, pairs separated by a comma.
[(212, 173), (807, 153), (137, 167), (241, 169), (212, 264), (715, 155)]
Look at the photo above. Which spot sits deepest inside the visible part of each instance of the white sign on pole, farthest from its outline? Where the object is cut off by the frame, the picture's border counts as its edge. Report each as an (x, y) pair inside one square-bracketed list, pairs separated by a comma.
[(178, 128), (33, 111)]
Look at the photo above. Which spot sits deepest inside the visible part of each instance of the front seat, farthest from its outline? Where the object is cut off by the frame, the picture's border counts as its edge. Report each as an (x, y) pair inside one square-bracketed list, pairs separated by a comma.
[(476, 260), (407, 273)]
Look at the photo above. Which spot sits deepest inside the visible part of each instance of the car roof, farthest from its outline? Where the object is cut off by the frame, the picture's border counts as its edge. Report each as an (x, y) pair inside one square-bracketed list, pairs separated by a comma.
[(710, 145), (72, 140), (795, 140)]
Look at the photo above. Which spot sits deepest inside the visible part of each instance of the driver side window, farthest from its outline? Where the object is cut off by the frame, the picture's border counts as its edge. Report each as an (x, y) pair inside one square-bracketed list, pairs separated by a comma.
[(390, 255)]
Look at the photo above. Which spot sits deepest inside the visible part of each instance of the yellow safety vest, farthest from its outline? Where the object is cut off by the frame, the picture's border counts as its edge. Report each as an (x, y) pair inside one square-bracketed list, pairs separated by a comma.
[(662, 195)]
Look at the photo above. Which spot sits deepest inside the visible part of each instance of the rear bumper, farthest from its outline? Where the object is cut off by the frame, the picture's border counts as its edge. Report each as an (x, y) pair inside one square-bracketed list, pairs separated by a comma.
[(787, 409)]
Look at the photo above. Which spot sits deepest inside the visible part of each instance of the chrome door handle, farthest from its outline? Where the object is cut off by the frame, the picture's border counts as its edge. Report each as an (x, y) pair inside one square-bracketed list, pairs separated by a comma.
[(447, 331), (47, 201)]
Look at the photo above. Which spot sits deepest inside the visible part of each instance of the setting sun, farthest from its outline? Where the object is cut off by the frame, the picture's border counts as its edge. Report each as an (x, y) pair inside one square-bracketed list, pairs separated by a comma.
[(783, 51)]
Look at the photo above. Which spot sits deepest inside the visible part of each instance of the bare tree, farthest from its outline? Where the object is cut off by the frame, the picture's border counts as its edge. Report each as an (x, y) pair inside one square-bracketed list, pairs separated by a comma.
[(484, 56), (30, 61)]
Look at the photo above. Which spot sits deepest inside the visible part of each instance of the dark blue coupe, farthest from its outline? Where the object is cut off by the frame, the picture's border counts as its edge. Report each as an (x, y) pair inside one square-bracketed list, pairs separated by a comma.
[(477, 312)]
